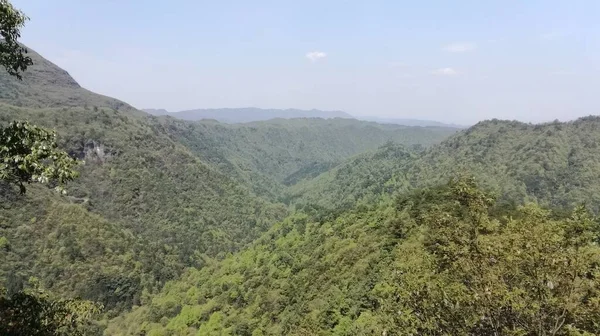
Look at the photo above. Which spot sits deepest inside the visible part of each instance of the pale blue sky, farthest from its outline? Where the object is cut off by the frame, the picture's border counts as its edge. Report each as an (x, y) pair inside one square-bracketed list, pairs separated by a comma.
[(453, 61)]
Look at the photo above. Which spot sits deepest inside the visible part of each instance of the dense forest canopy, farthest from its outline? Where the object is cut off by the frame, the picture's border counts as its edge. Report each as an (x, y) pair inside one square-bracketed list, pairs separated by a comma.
[(437, 261), (302, 226), (553, 163)]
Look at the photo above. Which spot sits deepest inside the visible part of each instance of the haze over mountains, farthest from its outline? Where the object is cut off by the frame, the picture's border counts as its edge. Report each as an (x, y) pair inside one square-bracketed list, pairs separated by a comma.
[(249, 114), (320, 224), (408, 122), (242, 115)]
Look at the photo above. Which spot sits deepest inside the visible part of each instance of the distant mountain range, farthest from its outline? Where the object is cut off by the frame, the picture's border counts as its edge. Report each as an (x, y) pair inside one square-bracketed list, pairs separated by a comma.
[(250, 114), (409, 122)]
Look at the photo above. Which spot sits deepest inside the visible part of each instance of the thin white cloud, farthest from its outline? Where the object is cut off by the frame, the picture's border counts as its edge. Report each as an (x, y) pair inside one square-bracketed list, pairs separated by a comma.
[(445, 72), (314, 56), (460, 47)]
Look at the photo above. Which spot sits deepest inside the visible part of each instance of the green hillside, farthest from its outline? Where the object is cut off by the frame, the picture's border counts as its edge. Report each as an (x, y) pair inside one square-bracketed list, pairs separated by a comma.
[(155, 195), (361, 179), (143, 186), (554, 164), (430, 262), (44, 85), (118, 222), (270, 155), (332, 267), (78, 253)]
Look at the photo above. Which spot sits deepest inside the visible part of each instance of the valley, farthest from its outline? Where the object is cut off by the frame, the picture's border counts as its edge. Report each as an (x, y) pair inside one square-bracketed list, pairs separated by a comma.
[(256, 222)]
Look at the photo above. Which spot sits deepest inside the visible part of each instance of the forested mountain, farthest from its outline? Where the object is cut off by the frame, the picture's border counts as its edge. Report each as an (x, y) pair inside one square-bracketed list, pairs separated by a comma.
[(248, 114), (554, 164), (437, 261), (144, 183), (363, 239), (46, 85), (270, 155), (359, 180), (155, 195), (285, 222)]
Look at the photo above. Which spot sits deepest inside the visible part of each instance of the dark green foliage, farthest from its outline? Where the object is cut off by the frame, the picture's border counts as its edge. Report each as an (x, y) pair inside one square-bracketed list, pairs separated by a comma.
[(34, 313), (30, 154), (470, 273), (145, 208), (553, 164), (361, 179), (455, 270), (12, 55), (70, 249), (270, 155)]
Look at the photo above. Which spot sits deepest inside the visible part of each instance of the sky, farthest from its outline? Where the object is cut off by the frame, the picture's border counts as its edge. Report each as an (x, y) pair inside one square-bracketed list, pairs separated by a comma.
[(452, 61)]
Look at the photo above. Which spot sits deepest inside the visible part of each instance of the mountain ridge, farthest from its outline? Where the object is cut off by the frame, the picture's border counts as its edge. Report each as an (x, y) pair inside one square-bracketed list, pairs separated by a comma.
[(548, 163), (46, 85), (247, 114), (409, 122), (252, 114)]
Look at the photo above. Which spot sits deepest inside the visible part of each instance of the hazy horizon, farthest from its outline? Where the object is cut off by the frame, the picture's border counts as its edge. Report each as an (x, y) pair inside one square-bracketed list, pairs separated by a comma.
[(457, 62)]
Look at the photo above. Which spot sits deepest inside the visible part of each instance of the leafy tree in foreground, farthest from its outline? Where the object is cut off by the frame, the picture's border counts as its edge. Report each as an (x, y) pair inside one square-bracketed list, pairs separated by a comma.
[(34, 313), (472, 274), (12, 55), (30, 154)]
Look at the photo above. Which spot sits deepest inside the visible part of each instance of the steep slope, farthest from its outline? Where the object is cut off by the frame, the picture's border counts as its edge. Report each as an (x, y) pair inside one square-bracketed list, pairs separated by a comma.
[(162, 208), (248, 114), (77, 253), (44, 84), (153, 184), (179, 210), (554, 164)]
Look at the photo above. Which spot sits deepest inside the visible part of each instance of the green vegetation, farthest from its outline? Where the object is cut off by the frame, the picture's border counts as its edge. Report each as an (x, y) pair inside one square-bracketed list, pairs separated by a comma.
[(34, 312), (431, 262), (143, 206), (553, 164), (154, 195), (286, 227), (272, 155), (360, 180), (46, 85), (29, 154), (12, 54)]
